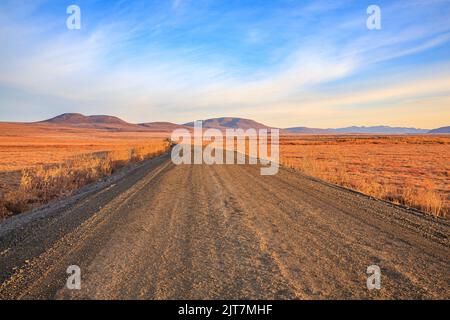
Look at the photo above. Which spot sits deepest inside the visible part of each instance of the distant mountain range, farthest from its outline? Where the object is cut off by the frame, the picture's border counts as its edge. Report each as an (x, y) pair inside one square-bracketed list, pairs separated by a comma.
[(116, 124), (440, 130), (361, 130)]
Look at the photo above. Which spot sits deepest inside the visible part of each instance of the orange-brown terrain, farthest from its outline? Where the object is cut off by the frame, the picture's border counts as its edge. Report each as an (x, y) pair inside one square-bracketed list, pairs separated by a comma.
[(41, 161), (409, 170), (219, 231)]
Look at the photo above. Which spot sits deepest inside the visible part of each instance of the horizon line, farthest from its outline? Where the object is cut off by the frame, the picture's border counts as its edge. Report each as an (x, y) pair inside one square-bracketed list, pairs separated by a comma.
[(221, 117)]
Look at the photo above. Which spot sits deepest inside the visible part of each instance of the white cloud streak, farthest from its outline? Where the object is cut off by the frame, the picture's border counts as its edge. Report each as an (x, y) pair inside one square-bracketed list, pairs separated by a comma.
[(88, 70)]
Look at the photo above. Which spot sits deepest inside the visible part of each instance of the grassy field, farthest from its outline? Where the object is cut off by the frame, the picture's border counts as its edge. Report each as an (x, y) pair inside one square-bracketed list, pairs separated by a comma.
[(39, 163), (409, 170)]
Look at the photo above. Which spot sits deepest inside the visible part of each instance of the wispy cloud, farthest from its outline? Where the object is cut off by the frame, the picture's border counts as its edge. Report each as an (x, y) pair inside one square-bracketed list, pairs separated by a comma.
[(154, 61)]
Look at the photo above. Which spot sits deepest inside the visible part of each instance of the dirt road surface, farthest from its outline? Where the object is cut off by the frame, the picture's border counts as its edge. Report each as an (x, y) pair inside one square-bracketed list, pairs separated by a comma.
[(161, 231)]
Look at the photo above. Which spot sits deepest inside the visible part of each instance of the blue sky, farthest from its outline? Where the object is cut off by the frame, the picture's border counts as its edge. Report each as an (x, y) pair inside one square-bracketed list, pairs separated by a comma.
[(284, 63)]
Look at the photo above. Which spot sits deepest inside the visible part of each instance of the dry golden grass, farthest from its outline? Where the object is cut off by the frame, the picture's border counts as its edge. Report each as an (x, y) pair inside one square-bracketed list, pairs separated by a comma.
[(409, 170), (40, 163)]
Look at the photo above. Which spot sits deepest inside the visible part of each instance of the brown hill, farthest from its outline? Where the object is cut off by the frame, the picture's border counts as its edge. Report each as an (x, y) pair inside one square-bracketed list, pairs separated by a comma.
[(109, 123), (230, 123), (77, 118), (102, 122)]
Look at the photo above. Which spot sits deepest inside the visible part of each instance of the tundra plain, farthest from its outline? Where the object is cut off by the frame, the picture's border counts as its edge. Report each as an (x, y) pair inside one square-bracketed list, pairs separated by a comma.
[(412, 170), (41, 162), (162, 231)]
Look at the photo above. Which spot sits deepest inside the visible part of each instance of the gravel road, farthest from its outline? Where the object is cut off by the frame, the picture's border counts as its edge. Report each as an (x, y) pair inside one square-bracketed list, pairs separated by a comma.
[(160, 231)]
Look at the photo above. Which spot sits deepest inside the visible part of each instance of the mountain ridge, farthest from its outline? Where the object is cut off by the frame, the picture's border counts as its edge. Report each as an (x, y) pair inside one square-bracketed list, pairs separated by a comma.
[(223, 123), (359, 129), (78, 118), (440, 130)]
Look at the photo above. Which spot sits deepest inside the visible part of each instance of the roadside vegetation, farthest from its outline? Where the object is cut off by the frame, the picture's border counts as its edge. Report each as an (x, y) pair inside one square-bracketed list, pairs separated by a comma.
[(409, 170), (40, 184)]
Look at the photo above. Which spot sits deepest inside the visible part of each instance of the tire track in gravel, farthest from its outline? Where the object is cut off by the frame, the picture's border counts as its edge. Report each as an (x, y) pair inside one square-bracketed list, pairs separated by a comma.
[(223, 232)]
